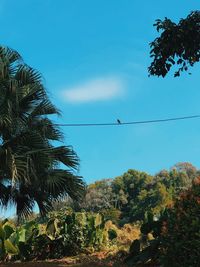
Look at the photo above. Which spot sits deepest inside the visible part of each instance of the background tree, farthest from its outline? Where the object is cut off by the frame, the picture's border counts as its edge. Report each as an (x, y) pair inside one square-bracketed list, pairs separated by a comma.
[(178, 178), (131, 196), (142, 193), (187, 168), (98, 196)]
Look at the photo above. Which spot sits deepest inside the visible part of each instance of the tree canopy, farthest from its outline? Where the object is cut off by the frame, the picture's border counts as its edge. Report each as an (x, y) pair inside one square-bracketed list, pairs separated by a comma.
[(132, 195), (178, 45)]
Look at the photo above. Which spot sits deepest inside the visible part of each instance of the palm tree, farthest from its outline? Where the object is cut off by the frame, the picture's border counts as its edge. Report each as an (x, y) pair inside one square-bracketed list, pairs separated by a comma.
[(29, 163)]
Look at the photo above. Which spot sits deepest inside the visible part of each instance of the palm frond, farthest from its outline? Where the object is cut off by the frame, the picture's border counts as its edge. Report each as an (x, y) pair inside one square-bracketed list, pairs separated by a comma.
[(66, 155), (45, 107), (9, 55), (9, 59), (29, 97), (4, 195), (26, 75), (24, 205), (62, 182), (44, 203), (47, 129)]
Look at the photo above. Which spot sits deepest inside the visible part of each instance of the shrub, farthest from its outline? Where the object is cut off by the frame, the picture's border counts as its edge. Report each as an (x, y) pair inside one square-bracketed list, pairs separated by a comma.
[(180, 233), (174, 239)]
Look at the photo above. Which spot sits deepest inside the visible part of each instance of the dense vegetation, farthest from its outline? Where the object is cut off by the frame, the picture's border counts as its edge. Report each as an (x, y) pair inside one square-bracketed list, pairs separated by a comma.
[(161, 212), (163, 206), (61, 234), (131, 196), (173, 239)]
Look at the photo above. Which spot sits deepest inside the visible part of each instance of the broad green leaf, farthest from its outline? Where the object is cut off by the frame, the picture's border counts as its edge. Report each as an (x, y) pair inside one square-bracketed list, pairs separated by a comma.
[(10, 248), (8, 230), (22, 235), (2, 232)]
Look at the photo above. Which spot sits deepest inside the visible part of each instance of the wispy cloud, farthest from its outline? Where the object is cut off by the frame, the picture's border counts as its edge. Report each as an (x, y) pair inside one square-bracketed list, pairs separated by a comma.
[(94, 90)]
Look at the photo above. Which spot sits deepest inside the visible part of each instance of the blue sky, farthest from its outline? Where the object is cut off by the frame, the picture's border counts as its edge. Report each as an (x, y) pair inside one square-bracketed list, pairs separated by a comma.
[(94, 56)]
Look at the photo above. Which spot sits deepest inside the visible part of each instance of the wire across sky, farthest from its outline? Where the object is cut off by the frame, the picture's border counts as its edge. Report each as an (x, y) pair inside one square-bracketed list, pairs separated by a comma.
[(121, 123)]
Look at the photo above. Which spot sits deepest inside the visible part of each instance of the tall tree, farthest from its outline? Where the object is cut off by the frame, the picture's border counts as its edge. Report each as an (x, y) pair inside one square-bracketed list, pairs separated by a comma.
[(178, 45), (29, 162)]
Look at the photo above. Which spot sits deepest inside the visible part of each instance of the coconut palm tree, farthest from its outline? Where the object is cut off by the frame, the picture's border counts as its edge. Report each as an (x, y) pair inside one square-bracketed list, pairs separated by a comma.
[(29, 163)]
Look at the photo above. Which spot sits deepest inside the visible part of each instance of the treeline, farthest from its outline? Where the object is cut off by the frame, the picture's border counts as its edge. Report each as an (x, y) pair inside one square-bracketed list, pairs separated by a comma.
[(132, 196)]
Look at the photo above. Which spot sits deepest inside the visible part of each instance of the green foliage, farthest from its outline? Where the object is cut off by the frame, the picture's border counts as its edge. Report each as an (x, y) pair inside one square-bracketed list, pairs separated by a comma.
[(133, 196), (139, 193), (174, 236), (61, 235), (181, 230), (111, 214), (7, 247), (178, 44), (129, 197)]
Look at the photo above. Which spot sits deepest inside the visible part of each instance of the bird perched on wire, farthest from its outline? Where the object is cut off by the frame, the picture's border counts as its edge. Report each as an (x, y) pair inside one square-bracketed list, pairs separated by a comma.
[(119, 122)]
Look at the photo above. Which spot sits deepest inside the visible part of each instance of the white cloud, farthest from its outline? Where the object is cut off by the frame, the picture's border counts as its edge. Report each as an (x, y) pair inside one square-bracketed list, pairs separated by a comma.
[(94, 90)]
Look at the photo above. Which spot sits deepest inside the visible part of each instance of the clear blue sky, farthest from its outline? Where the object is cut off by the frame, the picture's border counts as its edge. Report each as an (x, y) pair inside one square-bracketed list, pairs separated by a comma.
[(94, 56)]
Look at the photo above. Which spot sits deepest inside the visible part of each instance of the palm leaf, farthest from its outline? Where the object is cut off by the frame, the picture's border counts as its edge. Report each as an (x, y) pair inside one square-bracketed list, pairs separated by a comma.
[(27, 75), (62, 182), (65, 155)]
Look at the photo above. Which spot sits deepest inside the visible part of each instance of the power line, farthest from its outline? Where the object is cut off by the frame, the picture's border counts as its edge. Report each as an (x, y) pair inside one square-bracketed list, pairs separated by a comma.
[(126, 123)]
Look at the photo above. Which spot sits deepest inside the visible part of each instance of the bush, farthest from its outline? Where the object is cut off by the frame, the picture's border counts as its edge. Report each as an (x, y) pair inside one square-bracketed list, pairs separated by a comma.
[(174, 239), (180, 233)]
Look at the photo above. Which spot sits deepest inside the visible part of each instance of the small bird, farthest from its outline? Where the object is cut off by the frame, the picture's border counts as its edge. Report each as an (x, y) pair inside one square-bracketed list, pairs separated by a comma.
[(118, 121)]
